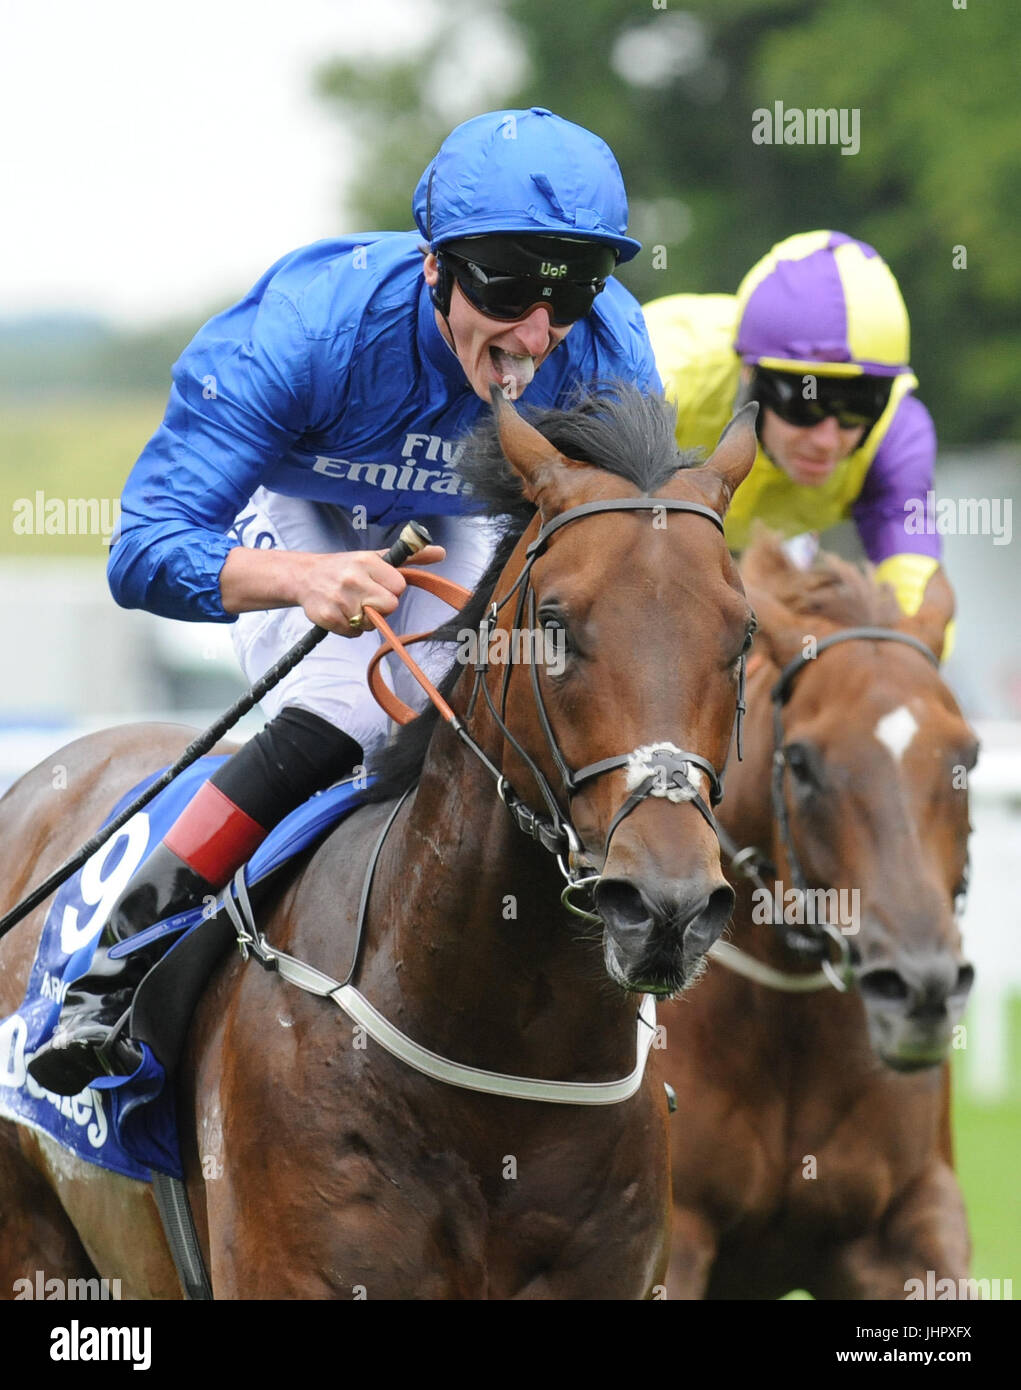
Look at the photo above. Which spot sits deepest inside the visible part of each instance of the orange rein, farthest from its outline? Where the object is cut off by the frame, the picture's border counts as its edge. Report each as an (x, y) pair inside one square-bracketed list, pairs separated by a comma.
[(401, 713)]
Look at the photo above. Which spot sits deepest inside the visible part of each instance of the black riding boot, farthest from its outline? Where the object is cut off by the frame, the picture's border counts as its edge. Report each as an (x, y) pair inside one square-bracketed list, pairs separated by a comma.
[(87, 1043), (295, 755)]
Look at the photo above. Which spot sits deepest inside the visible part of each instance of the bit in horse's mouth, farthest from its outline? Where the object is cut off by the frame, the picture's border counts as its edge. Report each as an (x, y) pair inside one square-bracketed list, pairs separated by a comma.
[(663, 981), (661, 990), (911, 1064)]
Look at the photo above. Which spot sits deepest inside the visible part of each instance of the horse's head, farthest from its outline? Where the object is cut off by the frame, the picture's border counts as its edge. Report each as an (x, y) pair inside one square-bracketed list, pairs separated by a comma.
[(647, 616), (871, 778)]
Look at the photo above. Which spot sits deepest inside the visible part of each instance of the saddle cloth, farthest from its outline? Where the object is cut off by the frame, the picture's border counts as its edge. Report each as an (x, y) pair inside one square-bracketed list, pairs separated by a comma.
[(127, 1124)]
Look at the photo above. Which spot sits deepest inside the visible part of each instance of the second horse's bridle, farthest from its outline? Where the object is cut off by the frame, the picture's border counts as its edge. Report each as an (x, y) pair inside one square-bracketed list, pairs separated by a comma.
[(750, 861)]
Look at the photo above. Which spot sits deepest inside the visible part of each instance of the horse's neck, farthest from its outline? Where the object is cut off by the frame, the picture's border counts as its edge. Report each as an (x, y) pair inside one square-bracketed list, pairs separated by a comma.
[(492, 970)]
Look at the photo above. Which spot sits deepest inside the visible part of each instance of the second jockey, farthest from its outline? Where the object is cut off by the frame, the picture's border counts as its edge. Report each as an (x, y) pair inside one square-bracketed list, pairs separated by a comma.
[(306, 425), (817, 334)]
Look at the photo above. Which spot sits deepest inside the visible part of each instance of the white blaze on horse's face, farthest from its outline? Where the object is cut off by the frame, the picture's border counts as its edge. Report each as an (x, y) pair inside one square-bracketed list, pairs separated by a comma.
[(912, 976), (896, 730)]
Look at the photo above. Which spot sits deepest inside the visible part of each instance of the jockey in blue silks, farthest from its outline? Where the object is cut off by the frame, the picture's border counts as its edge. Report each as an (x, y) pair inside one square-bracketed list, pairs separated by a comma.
[(306, 424)]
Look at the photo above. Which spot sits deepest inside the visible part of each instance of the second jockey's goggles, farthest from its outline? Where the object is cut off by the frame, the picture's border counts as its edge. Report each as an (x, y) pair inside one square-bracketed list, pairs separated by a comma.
[(506, 277), (856, 402)]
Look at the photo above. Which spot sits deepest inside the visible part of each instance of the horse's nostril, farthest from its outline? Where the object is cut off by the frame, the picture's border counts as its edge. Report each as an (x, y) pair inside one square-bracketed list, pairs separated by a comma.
[(965, 980), (621, 903), (924, 989), (707, 925), (884, 986), (721, 904)]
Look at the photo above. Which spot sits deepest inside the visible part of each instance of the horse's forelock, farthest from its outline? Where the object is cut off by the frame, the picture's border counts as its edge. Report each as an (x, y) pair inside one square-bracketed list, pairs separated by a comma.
[(622, 431), (833, 589), (619, 430)]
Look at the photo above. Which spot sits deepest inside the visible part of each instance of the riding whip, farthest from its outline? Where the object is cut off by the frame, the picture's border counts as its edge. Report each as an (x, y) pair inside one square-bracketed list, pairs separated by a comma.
[(411, 540)]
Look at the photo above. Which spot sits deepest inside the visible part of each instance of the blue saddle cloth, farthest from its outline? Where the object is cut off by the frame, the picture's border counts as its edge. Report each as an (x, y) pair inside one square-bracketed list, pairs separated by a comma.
[(126, 1124)]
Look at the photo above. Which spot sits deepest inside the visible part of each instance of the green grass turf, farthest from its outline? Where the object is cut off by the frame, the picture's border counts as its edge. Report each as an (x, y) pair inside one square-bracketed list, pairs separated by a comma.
[(68, 448), (987, 1140)]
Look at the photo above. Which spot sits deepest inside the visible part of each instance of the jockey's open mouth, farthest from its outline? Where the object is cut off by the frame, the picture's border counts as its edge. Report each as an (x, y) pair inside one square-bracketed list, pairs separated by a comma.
[(513, 369)]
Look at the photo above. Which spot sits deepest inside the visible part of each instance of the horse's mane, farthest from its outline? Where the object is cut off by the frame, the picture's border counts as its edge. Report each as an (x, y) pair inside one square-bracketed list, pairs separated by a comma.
[(618, 429), (834, 589)]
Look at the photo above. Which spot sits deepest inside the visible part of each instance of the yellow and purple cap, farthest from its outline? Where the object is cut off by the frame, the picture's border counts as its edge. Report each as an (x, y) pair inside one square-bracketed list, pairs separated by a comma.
[(822, 302)]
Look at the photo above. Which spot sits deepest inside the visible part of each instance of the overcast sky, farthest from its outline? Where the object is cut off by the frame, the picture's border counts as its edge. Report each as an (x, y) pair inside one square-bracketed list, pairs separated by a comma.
[(156, 155)]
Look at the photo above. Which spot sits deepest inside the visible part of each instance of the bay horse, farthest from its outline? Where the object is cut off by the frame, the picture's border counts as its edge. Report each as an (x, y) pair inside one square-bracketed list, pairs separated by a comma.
[(319, 1166), (812, 1148)]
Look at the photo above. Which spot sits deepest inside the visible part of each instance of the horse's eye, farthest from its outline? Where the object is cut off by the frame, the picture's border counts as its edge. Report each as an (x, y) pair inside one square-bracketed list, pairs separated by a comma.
[(735, 663), (800, 763), (749, 637), (961, 890), (557, 645), (970, 757)]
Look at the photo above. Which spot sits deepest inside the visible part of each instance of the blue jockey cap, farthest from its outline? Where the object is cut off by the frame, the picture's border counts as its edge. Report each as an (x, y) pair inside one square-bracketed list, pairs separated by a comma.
[(524, 172)]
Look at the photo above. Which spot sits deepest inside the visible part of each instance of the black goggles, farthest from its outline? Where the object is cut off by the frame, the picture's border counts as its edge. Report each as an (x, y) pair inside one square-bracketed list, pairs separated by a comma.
[(856, 402), (509, 297)]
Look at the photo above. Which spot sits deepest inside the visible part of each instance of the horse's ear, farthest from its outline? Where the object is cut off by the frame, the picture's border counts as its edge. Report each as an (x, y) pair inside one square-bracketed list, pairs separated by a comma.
[(527, 451), (938, 605), (764, 563), (734, 455)]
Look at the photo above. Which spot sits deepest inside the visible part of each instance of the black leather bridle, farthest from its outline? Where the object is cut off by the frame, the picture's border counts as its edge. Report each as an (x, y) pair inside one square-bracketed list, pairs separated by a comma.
[(670, 769), (750, 861)]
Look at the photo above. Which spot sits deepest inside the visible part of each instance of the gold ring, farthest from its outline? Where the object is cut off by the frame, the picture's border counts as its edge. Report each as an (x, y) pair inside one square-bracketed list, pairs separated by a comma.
[(357, 621)]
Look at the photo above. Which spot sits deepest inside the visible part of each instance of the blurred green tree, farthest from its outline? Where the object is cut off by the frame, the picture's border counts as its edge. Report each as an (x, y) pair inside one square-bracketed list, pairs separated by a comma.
[(672, 85)]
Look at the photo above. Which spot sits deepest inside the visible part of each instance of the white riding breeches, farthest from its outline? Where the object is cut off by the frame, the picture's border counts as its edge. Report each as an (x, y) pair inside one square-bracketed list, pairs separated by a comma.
[(330, 681)]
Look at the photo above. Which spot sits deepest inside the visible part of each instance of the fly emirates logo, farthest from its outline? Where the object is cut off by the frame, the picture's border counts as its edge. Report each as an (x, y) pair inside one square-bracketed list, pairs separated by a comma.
[(413, 474)]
